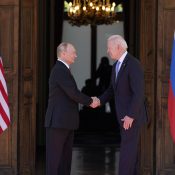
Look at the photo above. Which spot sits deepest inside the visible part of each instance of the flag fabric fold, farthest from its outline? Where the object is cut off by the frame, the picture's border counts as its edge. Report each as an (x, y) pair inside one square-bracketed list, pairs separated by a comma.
[(4, 107), (171, 95)]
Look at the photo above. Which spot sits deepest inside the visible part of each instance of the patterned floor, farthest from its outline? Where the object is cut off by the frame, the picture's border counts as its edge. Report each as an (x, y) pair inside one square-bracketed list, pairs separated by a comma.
[(90, 160)]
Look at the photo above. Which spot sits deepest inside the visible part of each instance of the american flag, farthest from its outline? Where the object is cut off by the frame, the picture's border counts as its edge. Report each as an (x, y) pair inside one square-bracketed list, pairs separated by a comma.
[(4, 107)]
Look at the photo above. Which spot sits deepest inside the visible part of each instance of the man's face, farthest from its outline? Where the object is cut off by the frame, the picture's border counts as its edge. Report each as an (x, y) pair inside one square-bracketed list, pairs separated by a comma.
[(113, 50), (70, 55)]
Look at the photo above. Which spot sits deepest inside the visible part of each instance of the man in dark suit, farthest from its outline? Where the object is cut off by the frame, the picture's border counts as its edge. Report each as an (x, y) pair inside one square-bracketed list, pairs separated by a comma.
[(127, 87), (62, 116)]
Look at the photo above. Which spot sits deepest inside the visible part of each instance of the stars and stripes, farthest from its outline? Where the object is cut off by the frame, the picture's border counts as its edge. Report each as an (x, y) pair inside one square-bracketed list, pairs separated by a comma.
[(4, 107)]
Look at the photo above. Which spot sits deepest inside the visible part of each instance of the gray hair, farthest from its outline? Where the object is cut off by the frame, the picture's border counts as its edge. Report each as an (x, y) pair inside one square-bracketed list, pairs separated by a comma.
[(118, 40), (63, 48)]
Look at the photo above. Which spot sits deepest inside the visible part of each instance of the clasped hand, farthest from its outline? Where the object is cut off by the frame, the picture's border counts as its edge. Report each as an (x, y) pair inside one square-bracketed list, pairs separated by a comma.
[(95, 103)]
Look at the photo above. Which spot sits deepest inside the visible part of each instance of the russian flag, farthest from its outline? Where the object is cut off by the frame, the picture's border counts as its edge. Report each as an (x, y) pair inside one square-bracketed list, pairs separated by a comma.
[(171, 95)]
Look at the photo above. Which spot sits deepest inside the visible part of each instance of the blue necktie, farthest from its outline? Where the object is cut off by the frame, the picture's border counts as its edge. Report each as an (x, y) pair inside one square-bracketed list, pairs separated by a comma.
[(117, 69)]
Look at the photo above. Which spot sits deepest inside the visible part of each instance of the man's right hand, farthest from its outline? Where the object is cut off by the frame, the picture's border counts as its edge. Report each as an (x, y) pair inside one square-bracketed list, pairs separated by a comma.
[(95, 103)]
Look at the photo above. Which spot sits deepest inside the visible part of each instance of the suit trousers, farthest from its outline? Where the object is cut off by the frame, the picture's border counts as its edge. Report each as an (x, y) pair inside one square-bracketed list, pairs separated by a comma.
[(128, 161), (58, 151)]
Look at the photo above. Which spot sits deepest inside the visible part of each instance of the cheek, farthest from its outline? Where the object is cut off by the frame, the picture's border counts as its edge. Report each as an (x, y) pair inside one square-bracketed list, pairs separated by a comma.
[(73, 58), (112, 52)]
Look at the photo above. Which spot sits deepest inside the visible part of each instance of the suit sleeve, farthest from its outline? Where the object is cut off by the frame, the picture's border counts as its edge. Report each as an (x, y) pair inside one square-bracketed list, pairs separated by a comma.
[(67, 83), (136, 81)]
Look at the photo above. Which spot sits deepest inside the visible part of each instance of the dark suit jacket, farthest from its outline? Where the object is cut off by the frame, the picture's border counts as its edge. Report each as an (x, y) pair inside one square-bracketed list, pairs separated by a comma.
[(64, 96), (128, 91)]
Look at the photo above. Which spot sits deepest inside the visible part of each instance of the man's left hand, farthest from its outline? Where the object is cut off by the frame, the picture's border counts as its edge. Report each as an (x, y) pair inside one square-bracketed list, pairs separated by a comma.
[(127, 122)]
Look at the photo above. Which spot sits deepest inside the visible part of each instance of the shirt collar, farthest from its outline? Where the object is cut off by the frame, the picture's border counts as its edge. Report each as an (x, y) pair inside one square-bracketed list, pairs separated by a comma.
[(121, 59), (59, 59)]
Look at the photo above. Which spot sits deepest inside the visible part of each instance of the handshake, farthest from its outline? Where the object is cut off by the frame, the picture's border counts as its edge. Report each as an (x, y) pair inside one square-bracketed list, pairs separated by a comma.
[(95, 103)]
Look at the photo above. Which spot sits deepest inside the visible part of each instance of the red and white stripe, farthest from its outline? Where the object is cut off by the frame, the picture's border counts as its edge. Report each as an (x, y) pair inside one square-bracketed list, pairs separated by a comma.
[(4, 107)]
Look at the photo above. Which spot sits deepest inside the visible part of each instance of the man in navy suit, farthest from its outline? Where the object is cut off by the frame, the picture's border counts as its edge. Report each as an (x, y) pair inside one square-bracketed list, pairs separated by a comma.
[(127, 88), (62, 116)]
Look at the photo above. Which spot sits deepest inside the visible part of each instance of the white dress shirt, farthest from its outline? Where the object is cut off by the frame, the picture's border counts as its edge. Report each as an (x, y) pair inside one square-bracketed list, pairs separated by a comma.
[(63, 63), (121, 59)]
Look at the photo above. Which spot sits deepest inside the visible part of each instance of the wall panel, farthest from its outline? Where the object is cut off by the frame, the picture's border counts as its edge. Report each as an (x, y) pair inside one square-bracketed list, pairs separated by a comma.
[(9, 20)]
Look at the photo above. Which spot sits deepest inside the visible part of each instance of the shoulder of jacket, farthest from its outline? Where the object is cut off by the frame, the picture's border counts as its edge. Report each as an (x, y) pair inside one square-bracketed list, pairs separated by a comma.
[(133, 60), (134, 64)]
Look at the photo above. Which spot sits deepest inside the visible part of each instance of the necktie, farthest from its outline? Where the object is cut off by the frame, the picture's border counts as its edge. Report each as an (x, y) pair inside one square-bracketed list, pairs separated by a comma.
[(117, 68)]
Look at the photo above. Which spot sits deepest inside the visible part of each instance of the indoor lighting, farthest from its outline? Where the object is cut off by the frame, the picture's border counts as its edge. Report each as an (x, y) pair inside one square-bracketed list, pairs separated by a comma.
[(94, 12)]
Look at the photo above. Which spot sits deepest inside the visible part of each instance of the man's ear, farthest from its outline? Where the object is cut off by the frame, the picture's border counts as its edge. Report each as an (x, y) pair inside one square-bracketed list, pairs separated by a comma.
[(62, 55), (120, 48)]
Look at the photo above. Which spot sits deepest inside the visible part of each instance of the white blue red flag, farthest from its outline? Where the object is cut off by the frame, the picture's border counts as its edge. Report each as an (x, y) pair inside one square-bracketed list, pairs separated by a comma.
[(171, 96), (4, 107)]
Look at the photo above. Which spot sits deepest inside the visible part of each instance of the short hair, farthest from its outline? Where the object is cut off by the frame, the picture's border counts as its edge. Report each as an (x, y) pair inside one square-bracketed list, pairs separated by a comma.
[(118, 40), (63, 47)]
